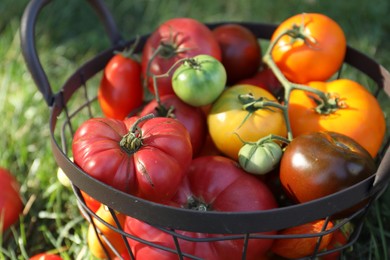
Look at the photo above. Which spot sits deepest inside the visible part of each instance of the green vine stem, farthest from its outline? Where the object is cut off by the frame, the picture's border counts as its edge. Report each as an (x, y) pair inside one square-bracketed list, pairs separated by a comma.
[(326, 102)]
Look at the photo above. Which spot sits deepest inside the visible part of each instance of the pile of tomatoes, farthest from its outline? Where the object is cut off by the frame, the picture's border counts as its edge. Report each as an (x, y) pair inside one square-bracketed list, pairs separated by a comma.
[(204, 119)]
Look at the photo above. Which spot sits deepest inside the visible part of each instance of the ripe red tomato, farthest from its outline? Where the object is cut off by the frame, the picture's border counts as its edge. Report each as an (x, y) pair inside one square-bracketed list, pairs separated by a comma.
[(10, 202), (265, 78), (213, 183), (148, 160), (178, 38), (192, 118), (120, 90), (340, 238), (360, 116), (91, 203), (318, 164), (241, 52), (317, 57), (293, 248), (46, 256)]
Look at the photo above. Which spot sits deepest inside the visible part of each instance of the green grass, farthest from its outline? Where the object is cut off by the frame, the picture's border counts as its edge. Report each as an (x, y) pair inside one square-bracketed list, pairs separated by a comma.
[(68, 35)]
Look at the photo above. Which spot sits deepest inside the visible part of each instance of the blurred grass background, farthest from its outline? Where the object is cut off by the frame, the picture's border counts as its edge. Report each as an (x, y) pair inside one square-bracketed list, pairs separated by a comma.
[(68, 34)]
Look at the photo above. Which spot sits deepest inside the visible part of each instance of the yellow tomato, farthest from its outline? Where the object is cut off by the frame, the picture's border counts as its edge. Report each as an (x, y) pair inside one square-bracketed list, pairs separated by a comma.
[(235, 115)]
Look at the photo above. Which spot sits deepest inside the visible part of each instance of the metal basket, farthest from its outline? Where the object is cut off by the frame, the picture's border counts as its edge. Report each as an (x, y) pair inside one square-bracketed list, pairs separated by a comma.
[(242, 225)]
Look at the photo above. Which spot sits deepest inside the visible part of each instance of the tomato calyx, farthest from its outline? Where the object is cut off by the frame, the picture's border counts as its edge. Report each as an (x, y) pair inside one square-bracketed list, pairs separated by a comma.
[(132, 141), (194, 203), (330, 104)]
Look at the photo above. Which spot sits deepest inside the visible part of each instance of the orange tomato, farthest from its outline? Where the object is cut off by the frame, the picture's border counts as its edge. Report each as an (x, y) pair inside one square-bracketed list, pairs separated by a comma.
[(228, 119), (316, 59), (114, 238), (361, 117), (305, 246)]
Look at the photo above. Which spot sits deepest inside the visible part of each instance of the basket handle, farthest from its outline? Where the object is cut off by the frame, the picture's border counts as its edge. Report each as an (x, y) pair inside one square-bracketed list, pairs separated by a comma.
[(27, 36)]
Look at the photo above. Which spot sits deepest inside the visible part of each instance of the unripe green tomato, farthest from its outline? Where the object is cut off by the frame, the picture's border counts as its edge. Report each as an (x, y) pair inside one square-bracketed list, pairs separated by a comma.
[(199, 81), (259, 159)]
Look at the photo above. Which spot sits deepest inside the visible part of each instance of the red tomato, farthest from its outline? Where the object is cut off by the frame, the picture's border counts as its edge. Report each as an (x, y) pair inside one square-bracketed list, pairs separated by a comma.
[(241, 52), (10, 202), (192, 118), (340, 238), (213, 183), (148, 161), (302, 247), (316, 58), (359, 116), (120, 90), (265, 78), (179, 38), (46, 256)]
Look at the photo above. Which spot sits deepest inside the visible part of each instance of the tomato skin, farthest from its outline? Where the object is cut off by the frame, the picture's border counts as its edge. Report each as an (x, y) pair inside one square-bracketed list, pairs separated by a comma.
[(318, 164), (301, 62), (225, 120), (152, 172), (186, 37), (355, 121), (199, 81), (120, 90), (213, 183), (241, 52), (114, 238), (91, 203), (11, 205), (293, 248), (192, 118), (340, 237), (45, 256)]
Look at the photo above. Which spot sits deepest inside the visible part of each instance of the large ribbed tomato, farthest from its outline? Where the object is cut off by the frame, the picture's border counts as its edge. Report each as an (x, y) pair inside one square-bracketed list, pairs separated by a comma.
[(317, 56), (176, 38), (359, 115), (147, 159), (213, 183)]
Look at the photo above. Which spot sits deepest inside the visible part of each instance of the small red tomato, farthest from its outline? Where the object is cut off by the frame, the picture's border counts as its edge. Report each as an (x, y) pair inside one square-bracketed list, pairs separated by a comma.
[(10, 202), (120, 90), (241, 52), (46, 256)]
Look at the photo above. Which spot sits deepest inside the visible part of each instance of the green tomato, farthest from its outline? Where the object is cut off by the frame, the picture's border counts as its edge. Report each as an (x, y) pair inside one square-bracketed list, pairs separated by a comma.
[(259, 158), (200, 80)]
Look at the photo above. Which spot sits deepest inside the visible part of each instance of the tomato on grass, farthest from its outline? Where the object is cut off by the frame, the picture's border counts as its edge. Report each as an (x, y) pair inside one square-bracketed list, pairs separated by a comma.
[(173, 40), (144, 157), (11, 205), (212, 183), (120, 90), (46, 256), (313, 50)]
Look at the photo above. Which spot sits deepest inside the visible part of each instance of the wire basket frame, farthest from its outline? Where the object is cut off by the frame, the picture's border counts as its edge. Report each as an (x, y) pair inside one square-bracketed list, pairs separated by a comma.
[(63, 121)]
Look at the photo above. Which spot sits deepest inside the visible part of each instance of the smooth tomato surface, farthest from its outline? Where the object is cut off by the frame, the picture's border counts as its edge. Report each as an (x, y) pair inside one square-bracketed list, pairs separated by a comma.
[(120, 90), (241, 52), (228, 118), (302, 62), (361, 119), (152, 171), (46, 256), (181, 38), (10, 202), (192, 118), (213, 183)]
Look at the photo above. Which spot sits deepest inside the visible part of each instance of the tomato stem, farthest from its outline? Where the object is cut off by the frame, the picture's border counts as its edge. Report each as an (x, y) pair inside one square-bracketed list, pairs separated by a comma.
[(132, 141)]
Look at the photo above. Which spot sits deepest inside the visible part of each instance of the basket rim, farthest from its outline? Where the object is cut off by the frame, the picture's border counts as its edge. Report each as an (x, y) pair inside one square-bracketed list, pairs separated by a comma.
[(216, 222)]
